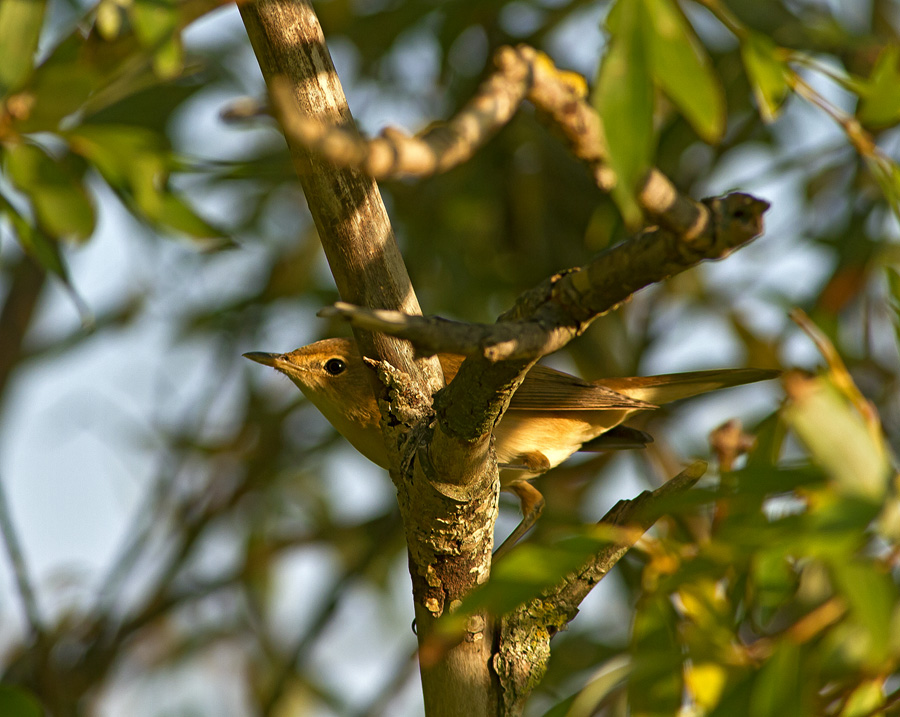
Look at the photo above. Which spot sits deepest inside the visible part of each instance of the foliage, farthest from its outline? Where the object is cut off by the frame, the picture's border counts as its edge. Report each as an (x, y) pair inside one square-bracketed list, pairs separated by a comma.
[(772, 589)]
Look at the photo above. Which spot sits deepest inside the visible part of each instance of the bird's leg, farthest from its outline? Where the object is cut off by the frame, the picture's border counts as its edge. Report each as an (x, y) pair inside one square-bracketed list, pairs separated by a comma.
[(532, 503)]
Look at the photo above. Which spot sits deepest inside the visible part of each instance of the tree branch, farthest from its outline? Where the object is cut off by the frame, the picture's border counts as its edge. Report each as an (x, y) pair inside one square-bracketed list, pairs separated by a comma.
[(20, 571), (547, 317), (521, 73), (449, 533), (525, 648)]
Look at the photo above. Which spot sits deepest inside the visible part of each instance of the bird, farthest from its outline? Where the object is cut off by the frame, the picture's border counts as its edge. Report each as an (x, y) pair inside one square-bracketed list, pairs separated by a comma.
[(551, 416)]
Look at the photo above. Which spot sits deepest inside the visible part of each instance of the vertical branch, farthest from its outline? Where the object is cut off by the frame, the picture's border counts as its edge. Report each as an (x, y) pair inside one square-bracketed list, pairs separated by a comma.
[(345, 204), (449, 530)]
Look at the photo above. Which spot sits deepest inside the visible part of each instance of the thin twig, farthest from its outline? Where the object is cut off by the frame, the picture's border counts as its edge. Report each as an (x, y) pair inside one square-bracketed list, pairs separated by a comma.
[(20, 570)]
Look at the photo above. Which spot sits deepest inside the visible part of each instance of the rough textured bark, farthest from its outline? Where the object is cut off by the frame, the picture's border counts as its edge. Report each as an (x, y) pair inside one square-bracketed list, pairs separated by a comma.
[(441, 512)]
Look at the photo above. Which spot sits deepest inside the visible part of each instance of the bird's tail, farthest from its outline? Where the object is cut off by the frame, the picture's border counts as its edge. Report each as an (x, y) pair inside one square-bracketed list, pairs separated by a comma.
[(675, 386)]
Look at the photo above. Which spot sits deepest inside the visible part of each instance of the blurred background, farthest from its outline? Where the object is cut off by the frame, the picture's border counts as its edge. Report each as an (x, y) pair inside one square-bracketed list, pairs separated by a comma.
[(198, 539)]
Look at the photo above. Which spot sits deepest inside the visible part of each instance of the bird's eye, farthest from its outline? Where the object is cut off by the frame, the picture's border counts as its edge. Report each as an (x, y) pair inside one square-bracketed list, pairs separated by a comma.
[(335, 366)]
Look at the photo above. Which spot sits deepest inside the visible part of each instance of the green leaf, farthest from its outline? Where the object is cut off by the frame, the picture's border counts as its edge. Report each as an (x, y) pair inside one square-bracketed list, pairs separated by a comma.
[(656, 683), (168, 60), (838, 440), (887, 174), (156, 28), (62, 206), (774, 582), (35, 243), (880, 102), (778, 688), (624, 99), (872, 597), (682, 69), (176, 214), (20, 29), (60, 86), (135, 162), (893, 278), (767, 73), (18, 702), (865, 700), (155, 21)]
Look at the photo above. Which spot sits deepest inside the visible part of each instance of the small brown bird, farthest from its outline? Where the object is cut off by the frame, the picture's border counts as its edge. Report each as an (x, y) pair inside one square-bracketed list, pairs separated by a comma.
[(551, 416)]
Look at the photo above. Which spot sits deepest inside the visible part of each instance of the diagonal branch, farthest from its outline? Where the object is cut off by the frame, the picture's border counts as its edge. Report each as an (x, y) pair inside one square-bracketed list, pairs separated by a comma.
[(525, 649), (20, 570), (547, 317), (521, 73)]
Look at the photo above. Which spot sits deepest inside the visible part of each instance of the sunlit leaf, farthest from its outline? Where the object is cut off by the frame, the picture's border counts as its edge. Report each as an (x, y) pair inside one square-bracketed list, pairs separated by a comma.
[(110, 15), (706, 682), (767, 73), (63, 208), (681, 67), (168, 59), (865, 700), (608, 678), (837, 437), (624, 99), (20, 29)]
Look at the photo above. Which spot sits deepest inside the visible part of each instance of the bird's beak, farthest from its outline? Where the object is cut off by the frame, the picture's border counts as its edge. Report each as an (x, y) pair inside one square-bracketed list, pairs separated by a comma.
[(263, 358)]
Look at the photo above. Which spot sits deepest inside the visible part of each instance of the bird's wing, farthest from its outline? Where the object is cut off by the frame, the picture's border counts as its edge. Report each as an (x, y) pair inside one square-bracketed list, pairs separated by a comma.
[(545, 389)]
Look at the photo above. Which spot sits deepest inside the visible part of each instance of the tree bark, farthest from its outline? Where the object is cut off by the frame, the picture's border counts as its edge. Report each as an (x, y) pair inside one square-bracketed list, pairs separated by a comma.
[(440, 514)]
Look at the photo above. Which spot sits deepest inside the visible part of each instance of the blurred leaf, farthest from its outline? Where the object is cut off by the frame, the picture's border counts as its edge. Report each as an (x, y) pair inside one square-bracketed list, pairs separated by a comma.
[(17, 702), (55, 188), (865, 700), (156, 26), (36, 244), (682, 69), (60, 85), (154, 21), (706, 682), (893, 278), (110, 15), (766, 72), (168, 60), (774, 582), (531, 568), (887, 174), (624, 99), (135, 162), (880, 101), (607, 679), (20, 29), (779, 687), (873, 597), (837, 437), (176, 214), (656, 682)]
